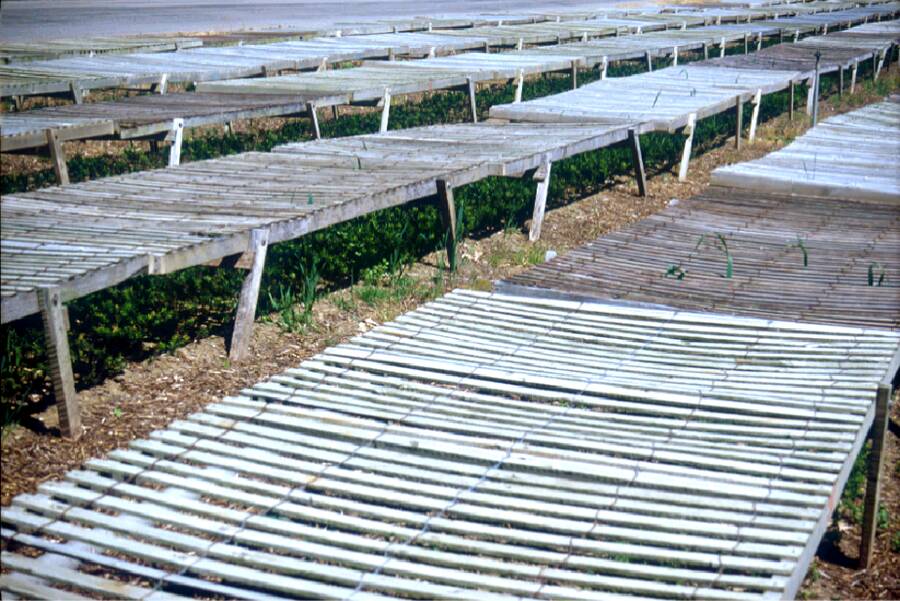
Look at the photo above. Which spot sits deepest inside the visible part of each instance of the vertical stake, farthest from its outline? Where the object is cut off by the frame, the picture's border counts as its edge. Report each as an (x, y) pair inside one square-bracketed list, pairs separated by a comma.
[(722, 48), (447, 209), (815, 96), (840, 81), (540, 199), (58, 156), (792, 102), (674, 56), (873, 482), (385, 110), (604, 66), (177, 137), (76, 92), (649, 61), (688, 143), (754, 116), (311, 111), (520, 81), (246, 309), (473, 108), (739, 109), (638, 161), (59, 361), (853, 76), (574, 75)]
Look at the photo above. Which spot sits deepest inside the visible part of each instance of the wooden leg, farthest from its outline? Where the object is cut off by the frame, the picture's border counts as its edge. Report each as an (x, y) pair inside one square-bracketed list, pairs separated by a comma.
[(649, 61), (76, 92), (385, 111), (59, 361), (638, 161), (880, 63), (177, 137), (791, 103), (447, 209), (688, 144), (58, 156), (746, 43), (246, 310), (754, 117), (540, 200), (739, 126), (810, 95), (604, 68), (314, 119), (473, 108), (759, 42), (722, 48), (853, 76), (873, 483), (520, 82), (160, 87), (841, 81), (574, 75), (675, 56), (705, 51)]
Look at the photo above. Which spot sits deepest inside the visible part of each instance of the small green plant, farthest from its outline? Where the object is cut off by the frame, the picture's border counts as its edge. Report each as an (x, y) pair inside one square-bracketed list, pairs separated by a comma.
[(676, 271), (290, 317), (722, 245), (876, 268), (117, 412), (895, 542), (801, 244)]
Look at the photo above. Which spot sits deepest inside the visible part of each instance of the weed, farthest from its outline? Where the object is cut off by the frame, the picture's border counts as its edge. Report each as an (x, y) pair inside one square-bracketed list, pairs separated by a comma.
[(676, 271), (722, 245), (801, 244), (876, 268)]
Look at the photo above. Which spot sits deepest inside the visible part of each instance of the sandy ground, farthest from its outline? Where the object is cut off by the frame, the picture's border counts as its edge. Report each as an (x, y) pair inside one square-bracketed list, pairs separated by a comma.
[(30, 20)]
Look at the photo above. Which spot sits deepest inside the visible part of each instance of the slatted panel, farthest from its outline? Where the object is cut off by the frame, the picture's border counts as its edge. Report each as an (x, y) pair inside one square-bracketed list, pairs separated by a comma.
[(11, 52), (209, 64), (172, 218), (370, 81), (486, 446), (842, 240), (853, 155)]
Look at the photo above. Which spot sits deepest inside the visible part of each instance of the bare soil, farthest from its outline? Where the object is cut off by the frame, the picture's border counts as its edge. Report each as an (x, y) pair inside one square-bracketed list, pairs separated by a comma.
[(149, 394)]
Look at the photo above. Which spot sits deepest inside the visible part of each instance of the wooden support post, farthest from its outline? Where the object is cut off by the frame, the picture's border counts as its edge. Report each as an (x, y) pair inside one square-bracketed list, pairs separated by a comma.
[(754, 117), (853, 76), (246, 309), (391, 56), (18, 102), (880, 63), (739, 110), (781, 36), (873, 482), (688, 144), (840, 81), (177, 137), (810, 95), (447, 209), (746, 43), (638, 161), (604, 66), (161, 86), (385, 110), (59, 361), (796, 35), (791, 102), (520, 81), (542, 175), (323, 66), (574, 69), (722, 48), (487, 47), (58, 156), (76, 92), (674, 56), (520, 44), (432, 52), (705, 51), (314, 119), (473, 108), (649, 61)]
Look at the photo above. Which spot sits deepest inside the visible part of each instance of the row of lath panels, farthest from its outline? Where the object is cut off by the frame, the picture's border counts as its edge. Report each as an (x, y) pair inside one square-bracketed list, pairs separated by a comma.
[(482, 446), (793, 257), (852, 155), (203, 211), (234, 99), (204, 64)]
